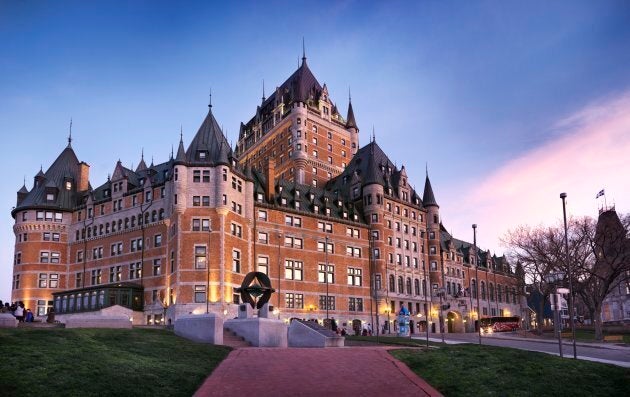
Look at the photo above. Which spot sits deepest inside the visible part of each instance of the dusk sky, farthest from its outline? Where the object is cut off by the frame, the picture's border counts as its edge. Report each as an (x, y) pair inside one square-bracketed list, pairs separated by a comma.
[(509, 103)]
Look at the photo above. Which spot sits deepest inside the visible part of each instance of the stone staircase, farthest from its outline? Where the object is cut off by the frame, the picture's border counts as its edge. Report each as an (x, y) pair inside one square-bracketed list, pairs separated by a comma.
[(233, 340)]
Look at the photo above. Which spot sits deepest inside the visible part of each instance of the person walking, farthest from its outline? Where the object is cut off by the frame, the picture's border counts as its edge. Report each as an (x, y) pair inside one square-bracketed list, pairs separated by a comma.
[(19, 312)]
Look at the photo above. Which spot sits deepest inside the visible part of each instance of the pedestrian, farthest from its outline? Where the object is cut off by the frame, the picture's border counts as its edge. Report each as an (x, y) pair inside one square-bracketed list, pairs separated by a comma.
[(19, 312), (29, 316)]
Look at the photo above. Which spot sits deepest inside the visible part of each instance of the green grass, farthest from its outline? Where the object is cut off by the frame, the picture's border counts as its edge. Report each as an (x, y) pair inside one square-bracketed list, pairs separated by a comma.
[(102, 362), (472, 370), (393, 340), (588, 335)]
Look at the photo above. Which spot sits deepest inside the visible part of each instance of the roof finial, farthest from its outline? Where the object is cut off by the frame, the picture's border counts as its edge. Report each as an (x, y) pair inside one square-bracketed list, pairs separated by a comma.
[(349, 95), (303, 51), (70, 134), (172, 151), (263, 97), (210, 102), (426, 165), (142, 154), (373, 134), (181, 133)]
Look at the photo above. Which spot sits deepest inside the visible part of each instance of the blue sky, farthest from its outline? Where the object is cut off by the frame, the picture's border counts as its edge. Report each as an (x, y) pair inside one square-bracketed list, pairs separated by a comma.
[(509, 103)]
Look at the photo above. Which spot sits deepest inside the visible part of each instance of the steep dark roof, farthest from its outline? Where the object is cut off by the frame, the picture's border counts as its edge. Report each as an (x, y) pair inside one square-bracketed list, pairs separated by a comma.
[(429, 198), (209, 146), (350, 121), (370, 165), (64, 168)]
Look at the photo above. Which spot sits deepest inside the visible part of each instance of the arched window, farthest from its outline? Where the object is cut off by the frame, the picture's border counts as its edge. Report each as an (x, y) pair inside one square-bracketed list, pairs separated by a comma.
[(483, 290), (448, 287), (473, 287), (161, 216), (392, 283), (113, 226), (126, 223), (499, 293), (119, 224), (424, 287), (400, 285), (408, 286), (491, 292), (154, 216), (507, 294), (146, 217), (133, 221), (416, 286)]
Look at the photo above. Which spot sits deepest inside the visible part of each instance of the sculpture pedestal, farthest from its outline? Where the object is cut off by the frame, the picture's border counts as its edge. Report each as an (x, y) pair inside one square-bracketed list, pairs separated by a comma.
[(260, 332), (204, 328)]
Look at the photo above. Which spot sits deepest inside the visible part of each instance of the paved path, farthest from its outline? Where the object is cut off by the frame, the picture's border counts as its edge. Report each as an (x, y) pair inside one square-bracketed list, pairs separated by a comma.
[(600, 352), (349, 371)]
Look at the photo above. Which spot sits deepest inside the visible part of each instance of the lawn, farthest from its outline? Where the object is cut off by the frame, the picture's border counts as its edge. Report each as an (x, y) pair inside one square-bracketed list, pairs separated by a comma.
[(588, 334), (472, 370), (391, 340), (103, 362)]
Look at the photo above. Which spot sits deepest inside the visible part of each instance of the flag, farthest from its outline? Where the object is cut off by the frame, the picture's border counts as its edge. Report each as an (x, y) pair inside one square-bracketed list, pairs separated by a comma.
[(601, 193)]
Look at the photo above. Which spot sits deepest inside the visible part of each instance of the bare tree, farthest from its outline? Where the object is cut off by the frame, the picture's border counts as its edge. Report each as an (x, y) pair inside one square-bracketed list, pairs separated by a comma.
[(599, 254), (539, 252)]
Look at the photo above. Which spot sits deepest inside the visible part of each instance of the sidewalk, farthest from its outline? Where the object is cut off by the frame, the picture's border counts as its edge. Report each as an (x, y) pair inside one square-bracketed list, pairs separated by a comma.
[(359, 371), (597, 345)]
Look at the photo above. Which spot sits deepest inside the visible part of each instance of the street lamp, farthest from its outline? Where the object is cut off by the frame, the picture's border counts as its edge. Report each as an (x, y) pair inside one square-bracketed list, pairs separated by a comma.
[(563, 196), (475, 260), (554, 279), (426, 302)]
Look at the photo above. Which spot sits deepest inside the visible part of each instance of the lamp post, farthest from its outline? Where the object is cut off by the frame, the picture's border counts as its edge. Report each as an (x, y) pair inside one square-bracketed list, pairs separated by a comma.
[(208, 271), (426, 302), (474, 226), (326, 274), (279, 270), (563, 196), (554, 278)]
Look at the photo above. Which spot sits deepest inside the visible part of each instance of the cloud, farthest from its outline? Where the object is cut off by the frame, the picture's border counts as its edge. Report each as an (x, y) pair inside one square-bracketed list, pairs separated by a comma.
[(591, 152)]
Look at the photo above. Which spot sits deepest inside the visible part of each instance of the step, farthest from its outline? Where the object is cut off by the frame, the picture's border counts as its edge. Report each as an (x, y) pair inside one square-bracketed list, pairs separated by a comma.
[(40, 325), (233, 340)]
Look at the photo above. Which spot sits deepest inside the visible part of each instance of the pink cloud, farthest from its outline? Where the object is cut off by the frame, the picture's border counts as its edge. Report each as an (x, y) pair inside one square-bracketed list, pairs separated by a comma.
[(591, 153)]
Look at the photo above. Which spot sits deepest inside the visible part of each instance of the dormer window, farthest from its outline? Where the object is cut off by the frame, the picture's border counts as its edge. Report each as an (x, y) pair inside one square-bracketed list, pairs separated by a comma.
[(141, 181), (316, 208), (201, 154), (50, 197), (68, 185)]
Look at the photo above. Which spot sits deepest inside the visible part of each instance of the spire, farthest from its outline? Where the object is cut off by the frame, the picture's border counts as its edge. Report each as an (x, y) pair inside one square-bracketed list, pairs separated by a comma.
[(181, 152), (141, 165), (303, 51), (350, 121), (428, 198), (210, 102), (263, 97), (70, 134)]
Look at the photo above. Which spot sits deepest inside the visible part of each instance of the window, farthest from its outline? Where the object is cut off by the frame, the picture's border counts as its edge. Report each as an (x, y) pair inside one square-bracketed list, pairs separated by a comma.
[(263, 238), (325, 227), (400, 284), (326, 274), (321, 245), (200, 257), (205, 201), (326, 302), (200, 293), (433, 266), (78, 280), (353, 251), (43, 280), (44, 257), (483, 290), (157, 240), (236, 230), (374, 218), (157, 267), (293, 270), (262, 215), (416, 286), (196, 201), (263, 264), (236, 261), (96, 276), (355, 276), (355, 304), (294, 301), (16, 281), (135, 270), (196, 176), (293, 221), (206, 176), (293, 242)]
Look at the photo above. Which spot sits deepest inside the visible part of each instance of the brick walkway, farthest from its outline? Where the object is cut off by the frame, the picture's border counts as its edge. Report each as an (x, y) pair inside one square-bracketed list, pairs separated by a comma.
[(350, 371)]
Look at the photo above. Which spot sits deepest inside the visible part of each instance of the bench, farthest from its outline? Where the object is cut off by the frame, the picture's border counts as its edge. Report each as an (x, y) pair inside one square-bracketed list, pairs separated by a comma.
[(567, 335), (613, 338)]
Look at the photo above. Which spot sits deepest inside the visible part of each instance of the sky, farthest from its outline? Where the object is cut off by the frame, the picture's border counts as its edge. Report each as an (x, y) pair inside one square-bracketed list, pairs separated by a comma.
[(506, 103)]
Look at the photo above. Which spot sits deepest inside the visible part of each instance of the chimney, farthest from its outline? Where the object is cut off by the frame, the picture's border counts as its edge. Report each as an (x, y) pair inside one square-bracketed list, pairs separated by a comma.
[(84, 177), (271, 174)]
